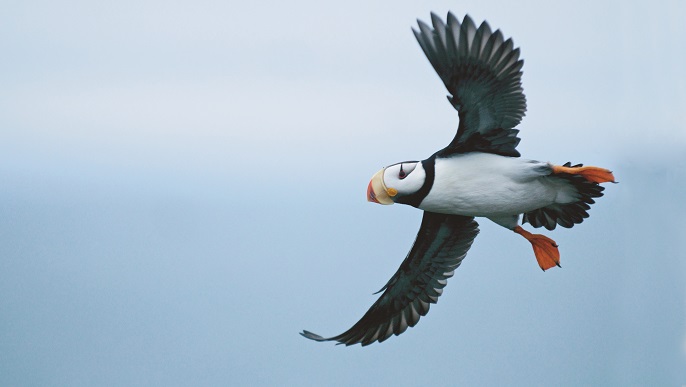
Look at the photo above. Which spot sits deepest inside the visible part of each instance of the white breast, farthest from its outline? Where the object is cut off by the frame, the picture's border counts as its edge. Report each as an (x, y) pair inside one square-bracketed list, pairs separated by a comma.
[(484, 184)]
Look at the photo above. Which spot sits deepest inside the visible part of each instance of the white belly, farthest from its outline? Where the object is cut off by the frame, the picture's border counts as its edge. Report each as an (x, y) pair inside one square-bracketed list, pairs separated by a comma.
[(487, 185)]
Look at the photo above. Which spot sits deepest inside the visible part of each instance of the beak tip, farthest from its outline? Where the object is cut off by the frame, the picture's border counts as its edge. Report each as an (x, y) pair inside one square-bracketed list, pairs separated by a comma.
[(371, 197)]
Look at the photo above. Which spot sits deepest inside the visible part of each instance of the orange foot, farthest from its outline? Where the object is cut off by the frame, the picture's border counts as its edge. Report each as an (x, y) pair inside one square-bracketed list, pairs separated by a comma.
[(545, 248), (594, 174)]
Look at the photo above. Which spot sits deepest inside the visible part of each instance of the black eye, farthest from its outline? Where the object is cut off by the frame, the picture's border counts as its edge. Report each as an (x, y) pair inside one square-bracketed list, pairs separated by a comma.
[(402, 173)]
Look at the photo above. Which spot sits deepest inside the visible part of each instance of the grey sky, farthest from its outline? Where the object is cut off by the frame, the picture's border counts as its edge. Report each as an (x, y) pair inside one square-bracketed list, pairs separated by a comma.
[(183, 192)]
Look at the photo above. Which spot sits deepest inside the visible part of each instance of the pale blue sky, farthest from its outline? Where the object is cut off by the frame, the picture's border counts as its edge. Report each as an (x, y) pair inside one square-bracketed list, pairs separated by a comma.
[(183, 192)]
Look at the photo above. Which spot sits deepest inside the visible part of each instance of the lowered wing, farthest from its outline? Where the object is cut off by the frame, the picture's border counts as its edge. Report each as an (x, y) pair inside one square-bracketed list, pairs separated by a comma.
[(441, 245)]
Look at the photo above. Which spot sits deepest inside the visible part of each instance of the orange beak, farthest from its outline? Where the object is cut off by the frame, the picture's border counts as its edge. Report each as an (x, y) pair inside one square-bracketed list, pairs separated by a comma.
[(371, 196)]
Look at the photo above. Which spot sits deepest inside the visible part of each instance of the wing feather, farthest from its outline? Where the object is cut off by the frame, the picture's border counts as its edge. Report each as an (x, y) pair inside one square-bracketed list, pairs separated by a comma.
[(482, 72), (441, 245)]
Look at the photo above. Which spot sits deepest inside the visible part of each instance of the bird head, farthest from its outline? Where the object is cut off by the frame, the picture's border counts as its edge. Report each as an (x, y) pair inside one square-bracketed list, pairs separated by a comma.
[(395, 181)]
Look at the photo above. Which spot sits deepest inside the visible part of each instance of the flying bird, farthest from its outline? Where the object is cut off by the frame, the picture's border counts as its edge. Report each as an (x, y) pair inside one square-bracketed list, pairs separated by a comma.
[(479, 174)]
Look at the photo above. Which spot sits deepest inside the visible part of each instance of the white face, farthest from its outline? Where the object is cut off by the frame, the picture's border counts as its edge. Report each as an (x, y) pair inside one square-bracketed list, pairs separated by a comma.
[(407, 177)]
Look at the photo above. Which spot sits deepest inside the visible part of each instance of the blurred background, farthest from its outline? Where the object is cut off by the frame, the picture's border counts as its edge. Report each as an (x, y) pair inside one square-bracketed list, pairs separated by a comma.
[(182, 190)]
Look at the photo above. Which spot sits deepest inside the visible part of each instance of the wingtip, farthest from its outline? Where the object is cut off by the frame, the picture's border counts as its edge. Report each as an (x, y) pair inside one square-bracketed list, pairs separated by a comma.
[(312, 336), (437, 20), (423, 26), (468, 20), (451, 20)]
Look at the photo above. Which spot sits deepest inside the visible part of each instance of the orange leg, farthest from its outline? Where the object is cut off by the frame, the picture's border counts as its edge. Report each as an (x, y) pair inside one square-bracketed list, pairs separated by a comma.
[(545, 248), (594, 174)]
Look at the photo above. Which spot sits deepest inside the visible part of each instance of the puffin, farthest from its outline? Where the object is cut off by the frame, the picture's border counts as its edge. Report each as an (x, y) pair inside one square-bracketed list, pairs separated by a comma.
[(479, 174)]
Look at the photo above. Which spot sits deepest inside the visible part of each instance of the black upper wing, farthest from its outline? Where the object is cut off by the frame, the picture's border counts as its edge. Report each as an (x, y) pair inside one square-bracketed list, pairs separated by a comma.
[(440, 247), (483, 73)]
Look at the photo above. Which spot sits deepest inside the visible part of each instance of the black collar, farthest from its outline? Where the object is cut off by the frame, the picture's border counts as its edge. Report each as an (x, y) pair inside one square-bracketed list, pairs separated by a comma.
[(415, 199)]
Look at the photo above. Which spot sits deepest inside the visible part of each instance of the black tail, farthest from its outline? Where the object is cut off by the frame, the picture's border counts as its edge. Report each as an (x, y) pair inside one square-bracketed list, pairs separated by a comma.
[(567, 215)]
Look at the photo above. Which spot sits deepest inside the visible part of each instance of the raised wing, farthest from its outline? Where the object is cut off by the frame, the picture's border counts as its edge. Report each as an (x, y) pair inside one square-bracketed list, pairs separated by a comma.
[(440, 247), (482, 72)]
